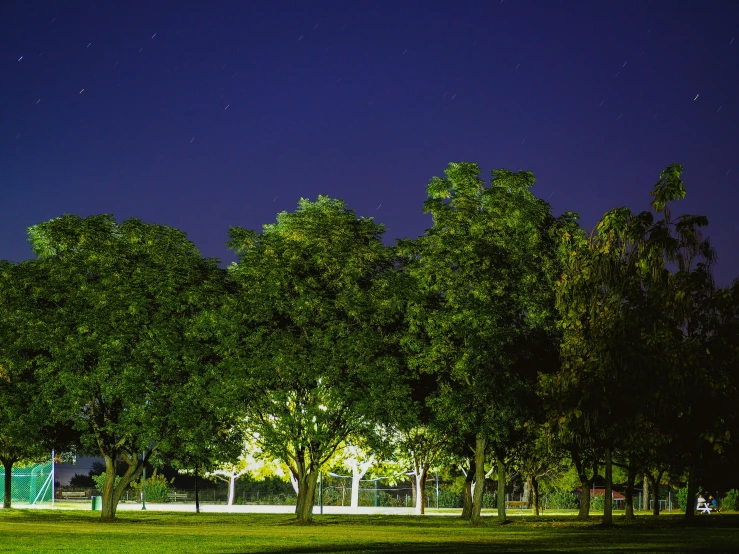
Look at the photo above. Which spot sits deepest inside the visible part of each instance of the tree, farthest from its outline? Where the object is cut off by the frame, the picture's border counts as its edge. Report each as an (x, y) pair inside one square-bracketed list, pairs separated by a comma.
[(121, 362), (482, 279), (306, 333), (611, 296), (30, 426)]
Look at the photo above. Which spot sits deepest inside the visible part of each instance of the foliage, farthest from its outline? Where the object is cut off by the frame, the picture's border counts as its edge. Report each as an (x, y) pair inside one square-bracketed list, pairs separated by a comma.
[(100, 480), (561, 500), (482, 296), (157, 488), (123, 364), (306, 334), (682, 498), (731, 501)]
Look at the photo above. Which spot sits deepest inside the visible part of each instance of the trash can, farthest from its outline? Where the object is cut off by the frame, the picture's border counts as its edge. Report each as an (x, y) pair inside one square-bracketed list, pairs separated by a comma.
[(97, 503)]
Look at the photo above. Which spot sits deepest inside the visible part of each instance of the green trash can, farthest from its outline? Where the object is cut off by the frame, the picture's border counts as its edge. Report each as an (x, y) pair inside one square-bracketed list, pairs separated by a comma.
[(97, 503)]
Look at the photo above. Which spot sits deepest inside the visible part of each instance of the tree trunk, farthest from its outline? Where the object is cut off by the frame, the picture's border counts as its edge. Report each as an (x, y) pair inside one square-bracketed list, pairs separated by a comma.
[(692, 487), (414, 492), (197, 492), (232, 488), (654, 480), (645, 499), (480, 444), (467, 492), (306, 496), (585, 484), (8, 497), (356, 477), (534, 490), (501, 491), (421, 491), (109, 506), (608, 497), (629, 492)]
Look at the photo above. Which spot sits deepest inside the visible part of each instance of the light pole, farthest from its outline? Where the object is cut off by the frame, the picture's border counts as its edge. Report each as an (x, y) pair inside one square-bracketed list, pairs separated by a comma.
[(143, 486)]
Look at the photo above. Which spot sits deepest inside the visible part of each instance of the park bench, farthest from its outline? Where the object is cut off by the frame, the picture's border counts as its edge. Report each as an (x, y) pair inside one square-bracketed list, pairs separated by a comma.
[(706, 508), (174, 496), (520, 504), (73, 494)]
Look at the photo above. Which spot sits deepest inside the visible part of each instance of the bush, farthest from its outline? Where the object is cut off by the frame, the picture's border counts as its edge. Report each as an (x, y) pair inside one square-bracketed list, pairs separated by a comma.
[(731, 501), (682, 498), (100, 481), (561, 501), (597, 502), (157, 489), (489, 500), (449, 499)]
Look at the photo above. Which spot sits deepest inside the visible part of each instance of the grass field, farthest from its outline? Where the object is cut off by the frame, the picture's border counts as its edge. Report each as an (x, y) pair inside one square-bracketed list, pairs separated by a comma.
[(161, 532)]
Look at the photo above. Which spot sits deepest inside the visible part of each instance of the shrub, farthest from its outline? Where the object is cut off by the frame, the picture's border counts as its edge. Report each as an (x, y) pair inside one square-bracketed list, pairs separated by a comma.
[(561, 500), (449, 499), (682, 498), (100, 481), (597, 502), (731, 501)]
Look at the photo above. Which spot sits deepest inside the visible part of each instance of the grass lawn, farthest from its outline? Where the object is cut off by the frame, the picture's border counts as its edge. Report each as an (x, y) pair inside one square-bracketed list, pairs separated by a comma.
[(161, 532)]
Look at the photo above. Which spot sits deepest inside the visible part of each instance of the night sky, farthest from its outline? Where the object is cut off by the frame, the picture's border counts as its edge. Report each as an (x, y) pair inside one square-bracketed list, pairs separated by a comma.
[(202, 115)]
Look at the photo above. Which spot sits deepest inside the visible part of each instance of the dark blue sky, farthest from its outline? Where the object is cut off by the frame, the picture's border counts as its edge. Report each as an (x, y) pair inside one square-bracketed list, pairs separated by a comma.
[(202, 115)]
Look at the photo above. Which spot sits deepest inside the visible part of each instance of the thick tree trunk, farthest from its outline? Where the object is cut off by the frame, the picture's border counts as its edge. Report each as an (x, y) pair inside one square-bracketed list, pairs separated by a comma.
[(467, 492), (8, 497), (585, 484), (608, 497), (306, 496), (109, 505), (645, 496), (501, 491), (480, 444), (197, 492), (654, 481), (629, 493), (584, 500), (534, 488), (414, 492), (112, 492)]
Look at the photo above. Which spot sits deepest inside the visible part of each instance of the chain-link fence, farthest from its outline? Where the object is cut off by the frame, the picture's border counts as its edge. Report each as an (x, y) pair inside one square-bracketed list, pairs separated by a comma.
[(31, 484)]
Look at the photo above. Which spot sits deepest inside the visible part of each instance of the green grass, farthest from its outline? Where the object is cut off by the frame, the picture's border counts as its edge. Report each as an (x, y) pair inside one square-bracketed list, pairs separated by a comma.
[(159, 532)]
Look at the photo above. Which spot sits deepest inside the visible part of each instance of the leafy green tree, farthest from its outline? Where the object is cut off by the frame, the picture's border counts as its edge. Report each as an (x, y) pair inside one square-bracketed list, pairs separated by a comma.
[(611, 297), (30, 426), (482, 279), (121, 362), (307, 335)]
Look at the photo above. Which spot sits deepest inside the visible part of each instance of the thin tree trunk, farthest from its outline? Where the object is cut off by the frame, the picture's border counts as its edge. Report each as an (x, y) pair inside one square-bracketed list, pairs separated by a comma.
[(629, 492), (692, 488), (232, 488), (501, 491), (197, 492), (356, 478), (8, 497), (480, 444), (608, 497), (467, 492), (421, 491)]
